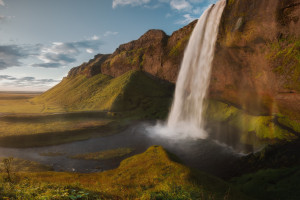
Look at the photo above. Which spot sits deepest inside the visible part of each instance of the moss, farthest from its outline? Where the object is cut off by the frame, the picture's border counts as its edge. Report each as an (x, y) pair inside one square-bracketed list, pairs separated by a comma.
[(262, 126), (230, 2), (292, 124), (285, 58), (179, 46)]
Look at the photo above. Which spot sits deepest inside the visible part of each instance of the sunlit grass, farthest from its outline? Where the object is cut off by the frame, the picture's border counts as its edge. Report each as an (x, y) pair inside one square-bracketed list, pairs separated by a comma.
[(17, 128)]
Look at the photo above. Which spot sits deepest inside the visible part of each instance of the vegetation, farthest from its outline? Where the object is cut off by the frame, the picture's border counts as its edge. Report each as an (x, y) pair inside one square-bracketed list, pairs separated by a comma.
[(19, 103), (150, 175), (271, 184), (179, 47), (17, 165), (285, 56), (104, 155), (262, 126), (149, 97), (25, 128)]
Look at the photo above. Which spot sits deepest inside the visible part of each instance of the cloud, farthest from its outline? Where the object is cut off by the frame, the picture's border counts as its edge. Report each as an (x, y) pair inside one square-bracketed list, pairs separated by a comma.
[(180, 5), (110, 33), (10, 55), (117, 3), (60, 54), (2, 3), (190, 9), (28, 81), (7, 77), (187, 19), (6, 18)]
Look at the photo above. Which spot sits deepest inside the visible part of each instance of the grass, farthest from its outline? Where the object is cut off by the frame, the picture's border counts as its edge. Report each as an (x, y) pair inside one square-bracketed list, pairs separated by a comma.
[(271, 184), (19, 103), (25, 128), (150, 175), (132, 91), (56, 138), (104, 155), (262, 126), (21, 165)]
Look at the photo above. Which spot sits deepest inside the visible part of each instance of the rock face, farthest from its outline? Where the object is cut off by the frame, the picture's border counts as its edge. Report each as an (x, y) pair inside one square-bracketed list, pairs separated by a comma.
[(155, 53), (257, 60), (91, 68)]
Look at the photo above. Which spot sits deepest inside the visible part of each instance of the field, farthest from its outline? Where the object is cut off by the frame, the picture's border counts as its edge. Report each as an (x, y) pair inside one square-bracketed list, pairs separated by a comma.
[(26, 124)]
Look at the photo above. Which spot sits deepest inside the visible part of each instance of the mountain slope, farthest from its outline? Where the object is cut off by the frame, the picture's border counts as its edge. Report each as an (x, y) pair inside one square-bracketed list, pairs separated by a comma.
[(133, 91)]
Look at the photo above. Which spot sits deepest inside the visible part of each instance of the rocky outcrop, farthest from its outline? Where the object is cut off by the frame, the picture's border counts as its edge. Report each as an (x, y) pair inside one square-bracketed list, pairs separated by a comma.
[(91, 68), (257, 65), (155, 53)]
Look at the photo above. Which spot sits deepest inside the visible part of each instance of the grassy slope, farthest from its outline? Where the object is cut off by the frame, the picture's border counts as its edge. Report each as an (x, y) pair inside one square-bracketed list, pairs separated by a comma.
[(133, 90), (150, 175)]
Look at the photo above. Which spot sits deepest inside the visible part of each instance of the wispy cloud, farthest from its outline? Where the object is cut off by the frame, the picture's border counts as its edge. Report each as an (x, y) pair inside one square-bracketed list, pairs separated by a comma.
[(2, 3), (55, 55), (11, 55), (110, 33), (188, 9), (61, 54), (117, 3), (180, 5), (187, 18), (28, 81), (6, 18)]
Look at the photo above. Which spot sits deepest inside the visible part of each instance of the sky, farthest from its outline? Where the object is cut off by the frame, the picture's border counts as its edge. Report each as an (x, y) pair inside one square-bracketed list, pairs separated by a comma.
[(41, 40)]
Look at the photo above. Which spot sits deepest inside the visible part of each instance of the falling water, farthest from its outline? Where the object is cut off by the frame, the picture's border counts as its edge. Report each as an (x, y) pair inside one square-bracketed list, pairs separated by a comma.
[(185, 118)]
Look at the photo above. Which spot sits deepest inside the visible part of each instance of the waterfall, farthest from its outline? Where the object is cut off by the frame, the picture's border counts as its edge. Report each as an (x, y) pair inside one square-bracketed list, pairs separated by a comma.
[(185, 118)]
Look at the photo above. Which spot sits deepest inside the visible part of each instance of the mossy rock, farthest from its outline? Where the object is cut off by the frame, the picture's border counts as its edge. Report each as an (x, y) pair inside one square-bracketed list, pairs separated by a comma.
[(264, 127)]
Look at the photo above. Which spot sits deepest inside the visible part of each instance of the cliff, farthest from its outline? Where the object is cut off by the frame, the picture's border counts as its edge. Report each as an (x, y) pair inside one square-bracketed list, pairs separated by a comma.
[(257, 60), (154, 52)]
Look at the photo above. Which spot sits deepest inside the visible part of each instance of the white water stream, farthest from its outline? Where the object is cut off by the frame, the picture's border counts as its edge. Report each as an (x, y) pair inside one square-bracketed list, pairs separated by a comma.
[(186, 116)]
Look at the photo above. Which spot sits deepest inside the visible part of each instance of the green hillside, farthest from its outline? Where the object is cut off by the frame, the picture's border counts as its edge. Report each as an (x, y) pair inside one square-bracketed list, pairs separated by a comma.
[(134, 91)]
